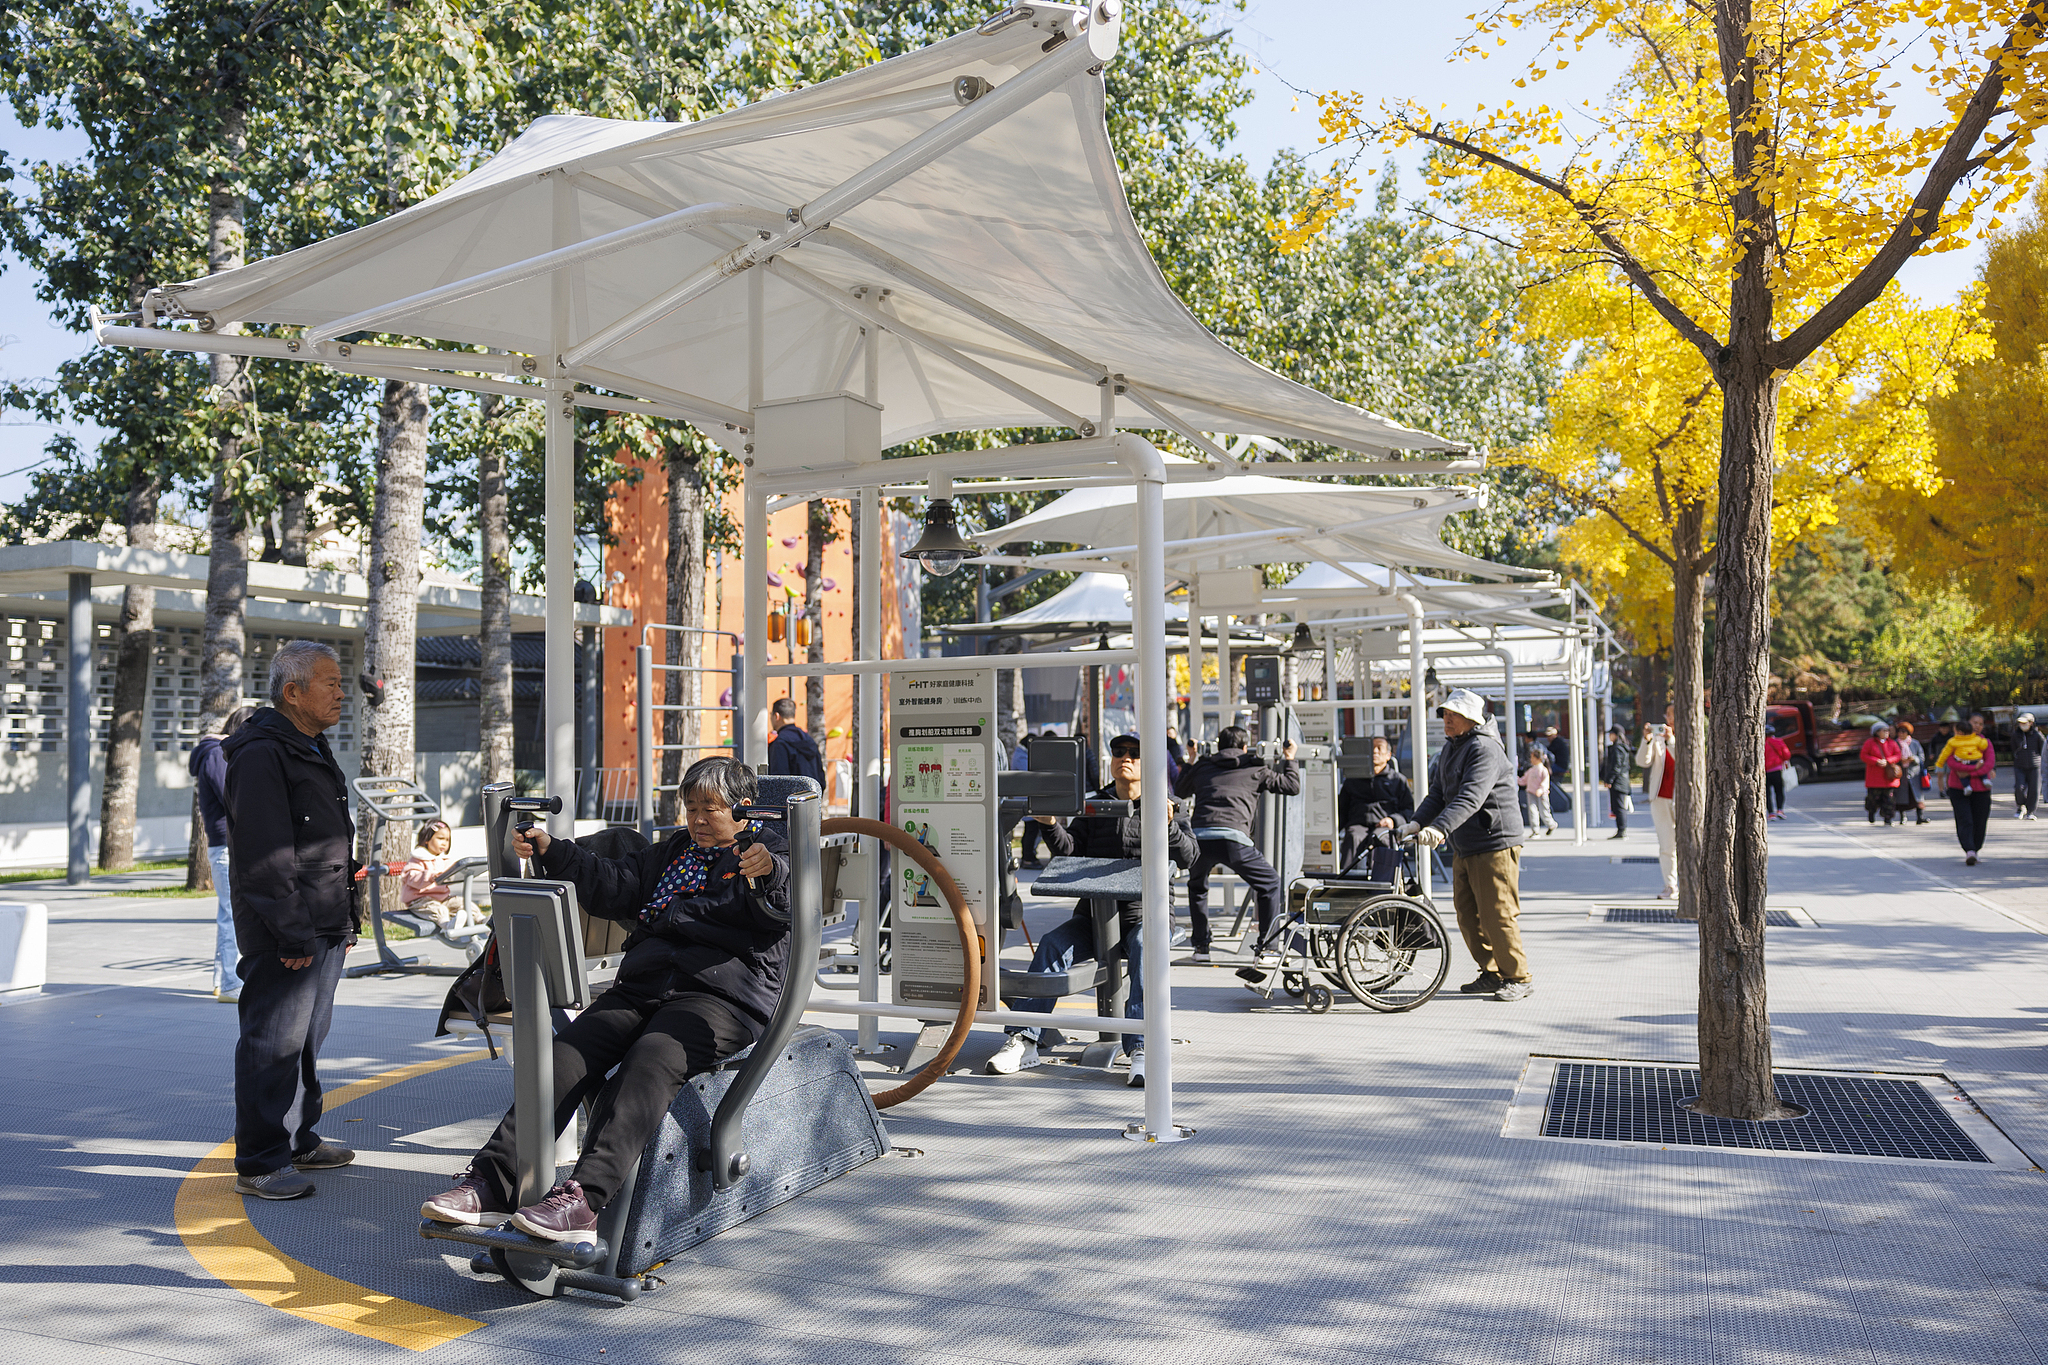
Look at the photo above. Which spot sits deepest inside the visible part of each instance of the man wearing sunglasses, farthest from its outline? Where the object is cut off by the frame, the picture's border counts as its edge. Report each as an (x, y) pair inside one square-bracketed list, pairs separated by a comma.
[(1097, 836)]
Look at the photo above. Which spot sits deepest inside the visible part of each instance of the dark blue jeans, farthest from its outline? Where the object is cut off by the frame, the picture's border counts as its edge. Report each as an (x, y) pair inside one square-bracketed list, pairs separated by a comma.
[(1073, 940), (1248, 863), (284, 1017)]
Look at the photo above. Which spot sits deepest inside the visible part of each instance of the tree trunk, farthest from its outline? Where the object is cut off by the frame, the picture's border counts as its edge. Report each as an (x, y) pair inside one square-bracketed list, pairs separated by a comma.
[(494, 630), (685, 608), (293, 536), (391, 615), (1689, 730), (818, 534), (137, 643), (224, 640), (1735, 1024)]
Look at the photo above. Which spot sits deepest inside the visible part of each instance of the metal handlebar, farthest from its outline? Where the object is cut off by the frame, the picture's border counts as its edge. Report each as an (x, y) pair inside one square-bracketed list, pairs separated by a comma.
[(806, 815)]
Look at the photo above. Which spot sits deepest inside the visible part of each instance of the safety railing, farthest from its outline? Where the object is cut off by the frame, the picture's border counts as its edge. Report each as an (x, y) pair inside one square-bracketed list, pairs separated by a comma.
[(647, 787)]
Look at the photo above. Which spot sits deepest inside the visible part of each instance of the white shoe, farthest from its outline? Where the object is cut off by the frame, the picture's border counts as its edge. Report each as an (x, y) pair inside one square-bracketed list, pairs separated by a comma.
[(1200, 959), (1267, 958), (1136, 1080), (1016, 1054), (2019, 815)]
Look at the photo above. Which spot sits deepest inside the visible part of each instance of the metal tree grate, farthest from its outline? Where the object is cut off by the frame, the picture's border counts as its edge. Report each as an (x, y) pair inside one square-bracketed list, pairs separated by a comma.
[(1846, 1115), (1635, 858), (1666, 914)]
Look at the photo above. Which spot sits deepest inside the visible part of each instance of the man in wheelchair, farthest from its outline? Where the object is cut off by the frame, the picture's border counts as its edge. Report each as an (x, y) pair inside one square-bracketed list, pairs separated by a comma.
[(699, 980), (1097, 836)]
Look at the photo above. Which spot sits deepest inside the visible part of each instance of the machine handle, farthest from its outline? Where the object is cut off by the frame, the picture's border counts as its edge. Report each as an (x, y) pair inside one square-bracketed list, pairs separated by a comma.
[(729, 1162)]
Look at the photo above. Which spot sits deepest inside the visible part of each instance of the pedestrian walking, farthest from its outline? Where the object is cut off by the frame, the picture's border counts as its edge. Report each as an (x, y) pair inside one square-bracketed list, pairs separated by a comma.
[(1884, 763), (2027, 744), (1776, 755), (1618, 779), (1967, 764), (209, 771), (290, 843), (1535, 784), (1657, 756), (1912, 794), (1471, 804)]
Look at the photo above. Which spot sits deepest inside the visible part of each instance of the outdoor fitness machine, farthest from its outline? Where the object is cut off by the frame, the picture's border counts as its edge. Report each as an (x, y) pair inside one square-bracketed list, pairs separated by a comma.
[(771, 1123), (400, 799)]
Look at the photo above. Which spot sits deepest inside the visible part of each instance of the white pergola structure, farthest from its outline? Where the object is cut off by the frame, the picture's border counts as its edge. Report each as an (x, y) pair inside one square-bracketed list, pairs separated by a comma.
[(936, 243)]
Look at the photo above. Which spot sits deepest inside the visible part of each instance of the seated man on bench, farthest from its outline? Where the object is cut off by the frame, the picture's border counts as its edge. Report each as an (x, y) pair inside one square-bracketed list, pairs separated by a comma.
[(699, 981), (1096, 836)]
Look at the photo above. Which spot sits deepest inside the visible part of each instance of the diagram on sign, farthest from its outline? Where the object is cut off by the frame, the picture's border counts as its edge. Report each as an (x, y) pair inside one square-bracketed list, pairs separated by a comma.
[(942, 772), (955, 834)]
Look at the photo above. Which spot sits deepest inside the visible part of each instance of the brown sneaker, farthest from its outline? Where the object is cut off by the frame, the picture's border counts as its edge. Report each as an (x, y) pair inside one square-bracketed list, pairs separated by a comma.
[(564, 1216), (468, 1204)]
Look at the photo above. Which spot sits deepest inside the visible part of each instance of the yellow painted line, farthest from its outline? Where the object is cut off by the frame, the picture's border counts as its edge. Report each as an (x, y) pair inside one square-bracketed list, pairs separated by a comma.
[(216, 1230)]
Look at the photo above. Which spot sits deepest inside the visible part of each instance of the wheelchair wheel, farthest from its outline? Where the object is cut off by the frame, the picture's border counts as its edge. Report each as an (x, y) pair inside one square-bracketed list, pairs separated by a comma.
[(1294, 983), (1393, 954), (1318, 999)]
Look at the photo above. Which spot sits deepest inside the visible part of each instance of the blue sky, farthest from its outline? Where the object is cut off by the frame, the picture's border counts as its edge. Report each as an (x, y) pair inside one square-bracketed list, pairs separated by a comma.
[(1381, 49)]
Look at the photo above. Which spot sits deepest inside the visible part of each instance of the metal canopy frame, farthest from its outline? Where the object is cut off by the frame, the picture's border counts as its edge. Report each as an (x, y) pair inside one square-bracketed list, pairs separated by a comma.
[(526, 241)]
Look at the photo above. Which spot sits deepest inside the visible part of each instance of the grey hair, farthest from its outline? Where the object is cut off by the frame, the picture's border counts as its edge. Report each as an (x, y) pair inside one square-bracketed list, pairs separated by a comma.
[(724, 777), (294, 664)]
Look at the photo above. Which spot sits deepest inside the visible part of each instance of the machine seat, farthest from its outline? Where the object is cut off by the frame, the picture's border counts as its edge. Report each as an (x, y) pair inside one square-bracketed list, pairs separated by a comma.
[(1081, 977)]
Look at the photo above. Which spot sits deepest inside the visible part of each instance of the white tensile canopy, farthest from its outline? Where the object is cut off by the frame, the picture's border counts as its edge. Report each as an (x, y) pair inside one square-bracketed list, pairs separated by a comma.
[(1353, 592), (1256, 519), (1013, 251), (936, 243)]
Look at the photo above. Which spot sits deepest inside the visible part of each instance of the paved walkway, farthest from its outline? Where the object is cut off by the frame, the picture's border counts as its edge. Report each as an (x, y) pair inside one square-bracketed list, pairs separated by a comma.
[(1350, 1196)]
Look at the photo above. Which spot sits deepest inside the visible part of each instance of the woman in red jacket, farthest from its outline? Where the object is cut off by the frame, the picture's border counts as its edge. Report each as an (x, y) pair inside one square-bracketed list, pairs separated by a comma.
[(1884, 762), (1776, 755)]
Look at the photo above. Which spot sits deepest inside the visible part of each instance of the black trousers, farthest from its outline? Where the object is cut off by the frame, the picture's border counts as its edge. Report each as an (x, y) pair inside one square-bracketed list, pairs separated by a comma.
[(1248, 863), (1973, 815), (656, 1044), (1616, 808), (2026, 786), (284, 1016), (1774, 791), (1033, 832)]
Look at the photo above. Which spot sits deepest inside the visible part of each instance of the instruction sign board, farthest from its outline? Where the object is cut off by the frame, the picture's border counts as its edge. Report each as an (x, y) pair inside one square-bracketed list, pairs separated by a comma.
[(942, 776)]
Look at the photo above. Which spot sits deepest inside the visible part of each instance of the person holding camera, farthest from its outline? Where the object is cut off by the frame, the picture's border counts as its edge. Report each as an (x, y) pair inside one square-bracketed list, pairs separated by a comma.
[(1657, 756), (700, 977), (1472, 806)]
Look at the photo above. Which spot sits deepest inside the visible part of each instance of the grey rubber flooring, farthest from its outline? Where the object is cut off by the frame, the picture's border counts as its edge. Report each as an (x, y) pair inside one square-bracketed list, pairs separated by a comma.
[(1349, 1197)]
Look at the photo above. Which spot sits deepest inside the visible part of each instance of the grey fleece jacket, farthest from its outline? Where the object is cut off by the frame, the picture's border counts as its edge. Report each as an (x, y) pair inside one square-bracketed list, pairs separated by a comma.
[(1472, 795)]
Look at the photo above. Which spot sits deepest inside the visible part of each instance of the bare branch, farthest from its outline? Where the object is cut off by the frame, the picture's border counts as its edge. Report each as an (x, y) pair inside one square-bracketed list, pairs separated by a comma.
[(1667, 308), (1924, 218)]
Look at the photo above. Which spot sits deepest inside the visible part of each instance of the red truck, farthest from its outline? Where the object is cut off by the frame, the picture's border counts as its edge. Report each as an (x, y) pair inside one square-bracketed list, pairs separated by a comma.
[(1820, 748)]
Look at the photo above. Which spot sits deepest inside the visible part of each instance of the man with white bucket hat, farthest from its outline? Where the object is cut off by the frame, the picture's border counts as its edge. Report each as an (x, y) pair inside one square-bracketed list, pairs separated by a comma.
[(1471, 804)]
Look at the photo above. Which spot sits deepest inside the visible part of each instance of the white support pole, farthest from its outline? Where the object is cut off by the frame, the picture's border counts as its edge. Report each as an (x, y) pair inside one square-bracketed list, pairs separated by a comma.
[(558, 489), (754, 539), (868, 725), (1418, 726), (1592, 746), (79, 646), (1148, 620), (1198, 664), (1577, 711), (1226, 678)]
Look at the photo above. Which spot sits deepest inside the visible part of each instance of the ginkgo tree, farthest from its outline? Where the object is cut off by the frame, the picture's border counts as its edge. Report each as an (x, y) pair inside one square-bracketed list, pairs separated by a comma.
[(1634, 438), (1752, 179)]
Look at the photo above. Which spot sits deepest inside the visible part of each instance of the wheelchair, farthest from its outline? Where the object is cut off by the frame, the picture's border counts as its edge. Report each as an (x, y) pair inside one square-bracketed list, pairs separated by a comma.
[(1380, 941)]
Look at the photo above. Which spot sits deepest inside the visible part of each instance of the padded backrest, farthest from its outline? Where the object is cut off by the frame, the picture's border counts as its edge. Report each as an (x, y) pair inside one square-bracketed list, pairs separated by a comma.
[(603, 937), (777, 788)]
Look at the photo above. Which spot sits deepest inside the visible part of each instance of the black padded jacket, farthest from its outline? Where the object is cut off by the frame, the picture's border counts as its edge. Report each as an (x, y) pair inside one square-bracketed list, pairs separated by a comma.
[(1382, 796), (1110, 836), (1226, 787), (290, 839), (722, 941)]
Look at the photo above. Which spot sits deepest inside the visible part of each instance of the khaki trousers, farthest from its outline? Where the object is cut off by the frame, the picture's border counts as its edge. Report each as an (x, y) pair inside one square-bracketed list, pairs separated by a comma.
[(1486, 891)]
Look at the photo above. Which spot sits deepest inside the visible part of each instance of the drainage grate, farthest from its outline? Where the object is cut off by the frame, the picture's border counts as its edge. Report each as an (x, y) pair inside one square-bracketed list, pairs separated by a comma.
[(1626, 858), (1666, 914), (1846, 1115)]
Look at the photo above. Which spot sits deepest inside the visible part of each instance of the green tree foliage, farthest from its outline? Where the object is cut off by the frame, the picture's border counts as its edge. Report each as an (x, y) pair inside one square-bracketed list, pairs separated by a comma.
[(1834, 597), (1941, 646)]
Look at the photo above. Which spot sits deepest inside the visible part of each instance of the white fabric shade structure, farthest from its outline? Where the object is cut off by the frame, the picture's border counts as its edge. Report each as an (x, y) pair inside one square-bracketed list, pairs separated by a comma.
[(968, 261), (1093, 602), (1358, 593), (1257, 519)]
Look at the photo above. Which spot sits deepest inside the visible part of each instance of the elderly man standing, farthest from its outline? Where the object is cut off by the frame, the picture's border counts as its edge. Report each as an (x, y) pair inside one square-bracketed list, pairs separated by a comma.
[(1471, 803), (289, 840)]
